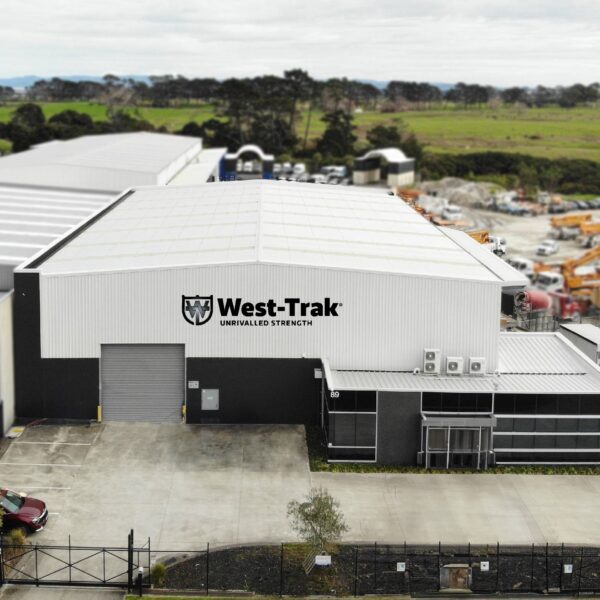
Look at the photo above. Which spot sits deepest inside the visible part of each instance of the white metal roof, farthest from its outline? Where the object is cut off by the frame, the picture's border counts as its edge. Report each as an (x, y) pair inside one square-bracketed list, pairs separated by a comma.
[(108, 162), (534, 363), (392, 155), (199, 171), (585, 330), (32, 218), (273, 222)]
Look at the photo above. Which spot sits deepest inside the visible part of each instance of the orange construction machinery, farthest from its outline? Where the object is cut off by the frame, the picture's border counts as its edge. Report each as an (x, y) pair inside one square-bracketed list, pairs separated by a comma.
[(569, 226), (575, 276)]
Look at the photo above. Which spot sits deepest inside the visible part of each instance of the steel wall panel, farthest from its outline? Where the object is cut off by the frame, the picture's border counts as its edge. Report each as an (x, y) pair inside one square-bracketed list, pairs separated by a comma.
[(385, 320)]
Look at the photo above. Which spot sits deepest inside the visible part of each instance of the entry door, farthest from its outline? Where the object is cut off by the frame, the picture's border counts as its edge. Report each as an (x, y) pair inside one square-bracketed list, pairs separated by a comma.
[(142, 382)]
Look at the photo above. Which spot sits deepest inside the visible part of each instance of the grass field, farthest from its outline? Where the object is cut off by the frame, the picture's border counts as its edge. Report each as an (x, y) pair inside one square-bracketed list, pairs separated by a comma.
[(550, 132)]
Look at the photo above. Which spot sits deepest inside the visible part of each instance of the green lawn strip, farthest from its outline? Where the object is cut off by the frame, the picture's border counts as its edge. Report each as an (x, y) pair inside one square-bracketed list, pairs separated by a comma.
[(156, 597), (551, 132)]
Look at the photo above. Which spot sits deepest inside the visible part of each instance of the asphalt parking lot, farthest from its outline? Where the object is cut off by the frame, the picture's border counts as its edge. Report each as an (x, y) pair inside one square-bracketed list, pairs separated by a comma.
[(183, 486)]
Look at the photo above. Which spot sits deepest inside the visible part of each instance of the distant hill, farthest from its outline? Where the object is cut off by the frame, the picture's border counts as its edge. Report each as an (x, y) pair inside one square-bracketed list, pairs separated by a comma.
[(28, 80)]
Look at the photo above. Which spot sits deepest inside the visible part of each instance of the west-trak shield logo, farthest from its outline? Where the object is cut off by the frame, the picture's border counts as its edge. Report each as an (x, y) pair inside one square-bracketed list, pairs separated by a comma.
[(197, 310)]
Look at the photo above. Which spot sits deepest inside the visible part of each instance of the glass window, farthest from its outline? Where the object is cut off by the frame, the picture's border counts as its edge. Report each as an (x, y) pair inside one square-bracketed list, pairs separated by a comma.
[(524, 441), (525, 424), (468, 402), (566, 441), (588, 425), (450, 402), (568, 405), (587, 441), (503, 424), (365, 430), (366, 401), (545, 441), (525, 404), (546, 425), (484, 402), (504, 403), (437, 438), (590, 404), (432, 402), (547, 404), (567, 424), (465, 440)]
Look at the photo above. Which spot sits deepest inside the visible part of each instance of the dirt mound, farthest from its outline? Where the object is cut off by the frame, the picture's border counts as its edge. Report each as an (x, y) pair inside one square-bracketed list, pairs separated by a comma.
[(462, 192)]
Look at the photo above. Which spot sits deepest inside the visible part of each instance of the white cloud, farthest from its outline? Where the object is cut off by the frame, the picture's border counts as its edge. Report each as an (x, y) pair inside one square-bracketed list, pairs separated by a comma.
[(488, 41)]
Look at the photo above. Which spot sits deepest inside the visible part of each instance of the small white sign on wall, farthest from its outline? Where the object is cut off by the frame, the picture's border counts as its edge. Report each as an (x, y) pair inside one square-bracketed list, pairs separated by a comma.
[(323, 560), (193, 385), (484, 565), (567, 569), (400, 567)]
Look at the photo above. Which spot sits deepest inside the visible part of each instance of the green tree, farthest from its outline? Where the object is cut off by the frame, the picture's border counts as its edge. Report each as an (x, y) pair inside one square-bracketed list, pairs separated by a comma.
[(528, 177), (338, 139), (318, 520), (384, 136)]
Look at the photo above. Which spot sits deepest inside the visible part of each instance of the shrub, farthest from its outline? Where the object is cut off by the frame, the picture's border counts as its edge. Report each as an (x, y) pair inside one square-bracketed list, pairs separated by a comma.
[(158, 575), (17, 537)]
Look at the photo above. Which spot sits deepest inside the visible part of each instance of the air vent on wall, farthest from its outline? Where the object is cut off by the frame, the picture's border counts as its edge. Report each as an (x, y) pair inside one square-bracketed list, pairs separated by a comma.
[(431, 361), (454, 365), (476, 365)]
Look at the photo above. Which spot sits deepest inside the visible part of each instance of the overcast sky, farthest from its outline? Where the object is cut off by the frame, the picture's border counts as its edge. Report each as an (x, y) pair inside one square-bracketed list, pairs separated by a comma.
[(501, 42)]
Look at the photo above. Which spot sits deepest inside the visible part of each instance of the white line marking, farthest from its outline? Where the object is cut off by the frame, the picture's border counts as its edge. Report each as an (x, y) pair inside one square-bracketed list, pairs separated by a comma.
[(52, 443), (55, 514), (16, 464), (24, 486)]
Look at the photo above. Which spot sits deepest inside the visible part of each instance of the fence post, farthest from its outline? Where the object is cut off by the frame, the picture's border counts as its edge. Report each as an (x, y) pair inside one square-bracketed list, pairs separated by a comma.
[(562, 565), (547, 578), (580, 570), (207, 565), (130, 561), (532, 567), (439, 573), (70, 561), (356, 570), (375, 577), (497, 567), (281, 572)]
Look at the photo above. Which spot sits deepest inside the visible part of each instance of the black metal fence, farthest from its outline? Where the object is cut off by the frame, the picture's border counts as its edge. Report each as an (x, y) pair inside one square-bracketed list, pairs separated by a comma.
[(355, 570), (387, 569), (48, 564)]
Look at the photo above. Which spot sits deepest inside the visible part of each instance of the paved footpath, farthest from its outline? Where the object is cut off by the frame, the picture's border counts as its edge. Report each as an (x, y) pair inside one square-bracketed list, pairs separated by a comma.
[(25, 592)]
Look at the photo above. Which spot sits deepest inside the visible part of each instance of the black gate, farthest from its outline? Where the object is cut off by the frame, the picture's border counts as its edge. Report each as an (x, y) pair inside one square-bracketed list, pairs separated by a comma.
[(45, 564)]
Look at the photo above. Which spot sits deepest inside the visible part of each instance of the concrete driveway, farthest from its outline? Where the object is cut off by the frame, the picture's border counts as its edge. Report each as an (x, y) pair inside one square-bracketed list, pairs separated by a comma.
[(183, 486)]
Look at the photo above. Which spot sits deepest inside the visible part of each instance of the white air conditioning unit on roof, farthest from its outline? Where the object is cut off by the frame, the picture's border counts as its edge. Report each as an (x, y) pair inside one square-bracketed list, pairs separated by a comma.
[(476, 365), (432, 361), (454, 365)]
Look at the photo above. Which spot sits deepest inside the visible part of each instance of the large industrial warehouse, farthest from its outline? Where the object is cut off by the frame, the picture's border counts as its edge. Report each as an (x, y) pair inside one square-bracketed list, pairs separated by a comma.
[(278, 302), (53, 187)]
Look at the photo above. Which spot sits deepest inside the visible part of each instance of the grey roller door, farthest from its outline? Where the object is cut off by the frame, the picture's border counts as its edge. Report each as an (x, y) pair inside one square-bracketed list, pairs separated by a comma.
[(142, 383)]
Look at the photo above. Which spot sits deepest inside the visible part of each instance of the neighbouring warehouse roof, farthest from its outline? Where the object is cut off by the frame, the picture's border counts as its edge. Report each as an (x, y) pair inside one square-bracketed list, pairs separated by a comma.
[(535, 363), (275, 222), (107, 163), (32, 218)]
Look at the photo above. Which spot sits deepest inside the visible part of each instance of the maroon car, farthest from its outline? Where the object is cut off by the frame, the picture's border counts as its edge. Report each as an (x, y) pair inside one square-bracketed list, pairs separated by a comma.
[(22, 511)]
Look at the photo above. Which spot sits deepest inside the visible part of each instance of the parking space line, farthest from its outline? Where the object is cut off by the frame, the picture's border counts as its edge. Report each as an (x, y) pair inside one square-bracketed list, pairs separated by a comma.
[(36, 487), (17, 464), (52, 443)]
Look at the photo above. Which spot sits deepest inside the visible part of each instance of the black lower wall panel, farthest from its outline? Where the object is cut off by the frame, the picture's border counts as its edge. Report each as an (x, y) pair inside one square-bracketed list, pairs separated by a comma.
[(61, 388), (255, 390), (398, 427), (51, 388)]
